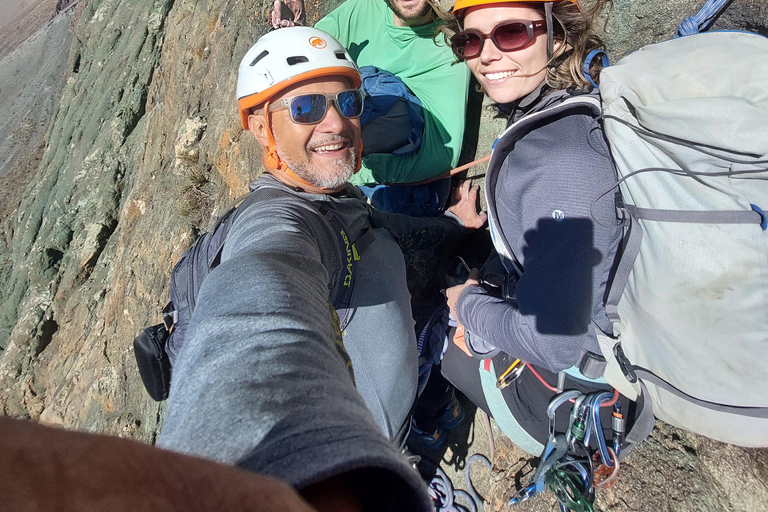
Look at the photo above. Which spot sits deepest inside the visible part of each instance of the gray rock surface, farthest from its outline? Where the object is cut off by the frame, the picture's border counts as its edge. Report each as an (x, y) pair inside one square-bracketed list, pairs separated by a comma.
[(143, 150), (32, 77)]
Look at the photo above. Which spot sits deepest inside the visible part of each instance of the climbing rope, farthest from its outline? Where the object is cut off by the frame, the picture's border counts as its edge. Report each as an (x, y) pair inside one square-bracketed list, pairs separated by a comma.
[(444, 495), (701, 20)]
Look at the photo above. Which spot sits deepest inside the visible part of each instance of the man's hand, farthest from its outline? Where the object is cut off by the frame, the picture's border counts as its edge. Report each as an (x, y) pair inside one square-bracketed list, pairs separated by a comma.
[(464, 206), (288, 13)]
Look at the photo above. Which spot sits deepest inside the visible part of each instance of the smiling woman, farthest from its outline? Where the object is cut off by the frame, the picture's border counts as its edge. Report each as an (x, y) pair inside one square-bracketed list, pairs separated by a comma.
[(506, 71), (555, 242), (554, 37)]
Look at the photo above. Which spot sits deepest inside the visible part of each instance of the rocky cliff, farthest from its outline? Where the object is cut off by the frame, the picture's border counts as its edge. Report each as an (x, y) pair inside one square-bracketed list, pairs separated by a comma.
[(143, 150)]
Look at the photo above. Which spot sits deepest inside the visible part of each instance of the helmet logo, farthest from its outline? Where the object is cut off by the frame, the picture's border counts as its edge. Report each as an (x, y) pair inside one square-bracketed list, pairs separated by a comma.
[(317, 42)]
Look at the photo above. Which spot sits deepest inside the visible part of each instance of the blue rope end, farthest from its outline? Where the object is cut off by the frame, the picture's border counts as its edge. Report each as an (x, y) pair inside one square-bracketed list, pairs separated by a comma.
[(688, 27)]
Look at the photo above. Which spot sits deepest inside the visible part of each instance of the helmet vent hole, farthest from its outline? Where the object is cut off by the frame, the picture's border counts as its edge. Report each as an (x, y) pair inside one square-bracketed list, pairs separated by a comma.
[(296, 60), (259, 57), (341, 56)]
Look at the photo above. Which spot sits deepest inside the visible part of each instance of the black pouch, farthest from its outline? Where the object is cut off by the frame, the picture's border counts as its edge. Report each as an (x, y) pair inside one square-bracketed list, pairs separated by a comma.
[(152, 359)]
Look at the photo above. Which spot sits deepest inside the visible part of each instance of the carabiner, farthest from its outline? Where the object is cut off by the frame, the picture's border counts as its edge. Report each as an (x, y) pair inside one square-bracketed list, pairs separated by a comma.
[(511, 374), (555, 403), (599, 434), (575, 413), (523, 494)]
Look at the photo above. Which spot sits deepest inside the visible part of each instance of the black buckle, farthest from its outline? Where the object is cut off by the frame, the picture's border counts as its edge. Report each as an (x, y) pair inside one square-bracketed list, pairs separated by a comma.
[(626, 367)]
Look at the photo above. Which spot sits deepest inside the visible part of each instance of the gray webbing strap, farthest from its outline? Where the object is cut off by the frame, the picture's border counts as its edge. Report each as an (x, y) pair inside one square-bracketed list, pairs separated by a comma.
[(752, 412), (634, 239), (630, 250), (696, 217), (643, 424)]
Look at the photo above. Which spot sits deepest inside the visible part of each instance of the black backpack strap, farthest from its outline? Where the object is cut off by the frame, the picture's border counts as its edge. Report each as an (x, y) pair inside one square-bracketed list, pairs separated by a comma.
[(351, 250), (205, 255), (350, 247)]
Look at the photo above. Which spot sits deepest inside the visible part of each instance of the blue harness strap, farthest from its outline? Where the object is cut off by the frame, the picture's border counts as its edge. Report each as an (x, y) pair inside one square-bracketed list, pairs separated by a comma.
[(701, 20)]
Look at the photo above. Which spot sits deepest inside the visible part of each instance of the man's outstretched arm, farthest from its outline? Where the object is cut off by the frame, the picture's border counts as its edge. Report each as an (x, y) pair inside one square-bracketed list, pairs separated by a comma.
[(262, 383)]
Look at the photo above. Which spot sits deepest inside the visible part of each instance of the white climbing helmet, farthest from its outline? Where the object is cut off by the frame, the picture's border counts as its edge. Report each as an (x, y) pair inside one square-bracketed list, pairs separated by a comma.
[(285, 57)]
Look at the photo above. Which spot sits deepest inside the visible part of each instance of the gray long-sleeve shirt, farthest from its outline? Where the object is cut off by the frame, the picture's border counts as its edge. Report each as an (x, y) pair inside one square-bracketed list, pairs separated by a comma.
[(543, 197), (260, 382)]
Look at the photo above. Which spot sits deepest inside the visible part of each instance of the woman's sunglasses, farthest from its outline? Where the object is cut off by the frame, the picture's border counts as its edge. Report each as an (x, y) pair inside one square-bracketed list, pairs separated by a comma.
[(507, 36), (311, 108)]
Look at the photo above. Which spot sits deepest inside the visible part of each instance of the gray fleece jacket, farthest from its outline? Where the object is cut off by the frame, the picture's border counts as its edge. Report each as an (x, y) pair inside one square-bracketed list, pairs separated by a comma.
[(260, 382), (541, 189)]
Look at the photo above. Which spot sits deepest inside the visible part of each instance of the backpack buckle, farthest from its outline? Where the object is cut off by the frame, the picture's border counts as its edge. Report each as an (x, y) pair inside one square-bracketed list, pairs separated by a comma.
[(170, 317)]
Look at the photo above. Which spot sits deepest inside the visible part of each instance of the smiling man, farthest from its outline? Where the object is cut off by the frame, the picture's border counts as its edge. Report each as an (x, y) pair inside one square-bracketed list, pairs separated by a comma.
[(399, 36), (300, 357)]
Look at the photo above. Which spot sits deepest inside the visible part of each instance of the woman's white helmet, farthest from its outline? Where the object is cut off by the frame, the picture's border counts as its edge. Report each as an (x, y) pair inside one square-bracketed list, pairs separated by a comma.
[(285, 57)]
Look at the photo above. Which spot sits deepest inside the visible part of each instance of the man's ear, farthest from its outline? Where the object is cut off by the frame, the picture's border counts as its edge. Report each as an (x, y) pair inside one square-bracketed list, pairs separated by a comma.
[(257, 125)]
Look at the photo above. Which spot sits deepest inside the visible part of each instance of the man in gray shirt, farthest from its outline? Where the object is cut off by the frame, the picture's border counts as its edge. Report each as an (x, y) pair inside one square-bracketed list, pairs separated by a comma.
[(269, 378)]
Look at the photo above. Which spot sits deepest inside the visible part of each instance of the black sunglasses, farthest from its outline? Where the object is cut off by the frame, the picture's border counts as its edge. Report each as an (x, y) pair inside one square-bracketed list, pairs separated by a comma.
[(508, 36), (312, 108)]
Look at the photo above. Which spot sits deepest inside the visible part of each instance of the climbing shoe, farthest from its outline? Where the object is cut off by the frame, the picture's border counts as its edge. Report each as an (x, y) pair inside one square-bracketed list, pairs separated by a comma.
[(451, 418), (430, 441)]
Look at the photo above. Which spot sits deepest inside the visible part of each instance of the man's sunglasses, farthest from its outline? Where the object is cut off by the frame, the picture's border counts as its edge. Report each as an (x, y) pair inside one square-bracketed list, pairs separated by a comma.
[(311, 108), (507, 36)]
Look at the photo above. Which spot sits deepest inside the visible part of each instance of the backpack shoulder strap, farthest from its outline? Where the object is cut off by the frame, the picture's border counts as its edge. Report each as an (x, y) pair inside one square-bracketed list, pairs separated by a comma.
[(349, 247)]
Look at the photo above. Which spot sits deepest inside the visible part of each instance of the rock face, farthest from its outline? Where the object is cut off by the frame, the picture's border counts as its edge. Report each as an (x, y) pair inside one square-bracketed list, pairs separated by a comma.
[(131, 171), (32, 78), (144, 149)]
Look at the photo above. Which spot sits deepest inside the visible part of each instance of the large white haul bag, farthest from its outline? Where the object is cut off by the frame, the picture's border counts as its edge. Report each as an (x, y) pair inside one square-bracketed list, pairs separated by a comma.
[(692, 318)]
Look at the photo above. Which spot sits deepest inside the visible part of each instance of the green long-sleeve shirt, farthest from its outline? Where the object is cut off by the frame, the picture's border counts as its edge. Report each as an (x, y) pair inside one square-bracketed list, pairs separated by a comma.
[(366, 28)]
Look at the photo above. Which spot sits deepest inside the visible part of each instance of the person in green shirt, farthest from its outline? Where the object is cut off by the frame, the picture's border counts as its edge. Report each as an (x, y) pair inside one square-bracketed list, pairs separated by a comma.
[(399, 36)]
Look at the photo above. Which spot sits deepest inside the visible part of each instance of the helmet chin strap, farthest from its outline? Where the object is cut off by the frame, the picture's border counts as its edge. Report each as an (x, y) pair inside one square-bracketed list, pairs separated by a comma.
[(272, 159), (273, 162)]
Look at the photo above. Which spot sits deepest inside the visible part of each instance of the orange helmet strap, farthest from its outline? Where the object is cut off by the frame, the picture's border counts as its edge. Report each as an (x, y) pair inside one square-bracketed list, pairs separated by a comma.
[(272, 159)]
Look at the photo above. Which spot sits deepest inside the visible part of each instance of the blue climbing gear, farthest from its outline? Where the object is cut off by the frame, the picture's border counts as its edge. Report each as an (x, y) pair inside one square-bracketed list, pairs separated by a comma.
[(575, 462), (703, 19)]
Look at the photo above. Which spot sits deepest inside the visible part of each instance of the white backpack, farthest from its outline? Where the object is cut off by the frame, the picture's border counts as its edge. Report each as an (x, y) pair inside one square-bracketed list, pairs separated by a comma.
[(687, 123)]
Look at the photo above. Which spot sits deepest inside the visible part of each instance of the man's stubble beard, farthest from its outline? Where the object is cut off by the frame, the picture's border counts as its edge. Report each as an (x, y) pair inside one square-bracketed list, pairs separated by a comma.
[(335, 177), (406, 17)]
